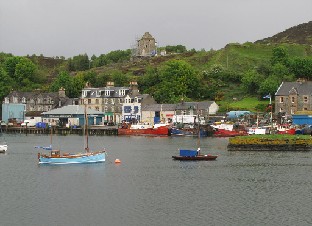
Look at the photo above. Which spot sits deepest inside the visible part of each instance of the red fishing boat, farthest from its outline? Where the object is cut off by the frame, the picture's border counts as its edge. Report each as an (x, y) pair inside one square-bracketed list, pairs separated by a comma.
[(286, 129), (228, 130), (143, 130)]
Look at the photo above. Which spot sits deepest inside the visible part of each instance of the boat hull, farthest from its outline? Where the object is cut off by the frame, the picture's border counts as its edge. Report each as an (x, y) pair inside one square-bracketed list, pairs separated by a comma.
[(229, 133), (160, 131), (196, 158), (73, 159), (187, 132)]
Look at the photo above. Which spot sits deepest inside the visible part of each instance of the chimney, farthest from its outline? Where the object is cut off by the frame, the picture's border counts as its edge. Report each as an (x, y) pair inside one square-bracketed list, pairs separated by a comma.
[(134, 88), (110, 84), (61, 93)]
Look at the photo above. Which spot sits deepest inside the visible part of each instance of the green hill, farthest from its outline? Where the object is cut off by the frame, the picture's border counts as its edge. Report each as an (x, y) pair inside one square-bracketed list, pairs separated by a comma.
[(221, 71)]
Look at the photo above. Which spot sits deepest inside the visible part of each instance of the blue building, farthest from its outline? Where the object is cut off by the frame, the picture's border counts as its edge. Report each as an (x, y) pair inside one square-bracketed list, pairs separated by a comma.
[(13, 111), (302, 119)]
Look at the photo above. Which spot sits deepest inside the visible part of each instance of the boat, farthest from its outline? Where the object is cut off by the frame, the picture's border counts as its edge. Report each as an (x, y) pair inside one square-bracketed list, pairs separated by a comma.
[(143, 130), (188, 132), (228, 130), (3, 148), (56, 157), (194, 155), (286, 129)]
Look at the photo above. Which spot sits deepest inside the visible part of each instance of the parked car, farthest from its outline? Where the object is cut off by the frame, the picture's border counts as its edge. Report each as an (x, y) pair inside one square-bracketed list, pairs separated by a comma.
[(29, 123)]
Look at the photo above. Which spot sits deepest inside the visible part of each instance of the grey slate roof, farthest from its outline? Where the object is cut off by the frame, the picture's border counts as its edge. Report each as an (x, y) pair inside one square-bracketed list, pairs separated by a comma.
[(159, 107), (72, 109), (302, 88), (181, 106)]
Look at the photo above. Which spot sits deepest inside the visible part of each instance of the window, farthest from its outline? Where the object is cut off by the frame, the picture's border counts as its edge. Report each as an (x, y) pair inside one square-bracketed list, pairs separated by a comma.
[(89, 101), (281, 109), (281, 99), (97, 101), (305, 99), (305, 109), (292, 100)]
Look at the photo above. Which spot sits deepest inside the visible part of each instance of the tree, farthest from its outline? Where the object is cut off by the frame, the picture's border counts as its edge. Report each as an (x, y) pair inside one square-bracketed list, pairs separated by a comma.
[(120, 79), (251, 81), (301, 67), (19, 69), (5, 83), (279, 55), (177, 80), (269, 85)]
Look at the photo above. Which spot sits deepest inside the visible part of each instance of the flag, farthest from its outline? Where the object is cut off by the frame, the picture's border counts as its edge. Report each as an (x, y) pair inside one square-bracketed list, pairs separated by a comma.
[(267, 96)]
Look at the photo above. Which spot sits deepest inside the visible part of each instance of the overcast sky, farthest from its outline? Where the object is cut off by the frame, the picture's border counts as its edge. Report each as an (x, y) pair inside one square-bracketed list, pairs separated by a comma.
[(71, 27)]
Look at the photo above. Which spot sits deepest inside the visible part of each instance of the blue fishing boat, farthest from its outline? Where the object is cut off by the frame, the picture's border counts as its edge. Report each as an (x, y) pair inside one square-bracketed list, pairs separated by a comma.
[(56, 157), (194, 155)]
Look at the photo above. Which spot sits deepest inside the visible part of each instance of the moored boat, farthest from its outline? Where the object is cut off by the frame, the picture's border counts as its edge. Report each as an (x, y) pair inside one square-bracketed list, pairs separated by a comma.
[(194, 155), (56, 157), (145, 130), (228, 130)]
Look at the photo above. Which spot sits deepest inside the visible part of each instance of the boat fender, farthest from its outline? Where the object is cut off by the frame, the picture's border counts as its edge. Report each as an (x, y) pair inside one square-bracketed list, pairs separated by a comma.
[(117, 161)]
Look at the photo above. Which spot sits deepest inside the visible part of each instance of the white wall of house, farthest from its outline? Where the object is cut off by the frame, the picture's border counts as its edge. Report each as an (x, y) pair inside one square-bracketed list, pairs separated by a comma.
[(131, 113), (213, 108)]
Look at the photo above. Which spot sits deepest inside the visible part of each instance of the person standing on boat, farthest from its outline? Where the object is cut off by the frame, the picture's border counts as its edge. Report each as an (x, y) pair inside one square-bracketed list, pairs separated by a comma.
[(198, 151)]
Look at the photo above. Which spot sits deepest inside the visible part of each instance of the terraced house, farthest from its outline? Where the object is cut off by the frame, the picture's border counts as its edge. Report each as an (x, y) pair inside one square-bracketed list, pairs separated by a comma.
[(294, 97), (113, 101)]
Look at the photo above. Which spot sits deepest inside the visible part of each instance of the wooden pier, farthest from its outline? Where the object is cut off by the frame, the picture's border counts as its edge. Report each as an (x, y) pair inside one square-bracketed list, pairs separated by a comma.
[(97, 131)]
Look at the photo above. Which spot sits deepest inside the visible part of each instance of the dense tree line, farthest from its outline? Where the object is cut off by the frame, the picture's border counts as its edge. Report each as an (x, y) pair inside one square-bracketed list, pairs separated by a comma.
[(170, 82)]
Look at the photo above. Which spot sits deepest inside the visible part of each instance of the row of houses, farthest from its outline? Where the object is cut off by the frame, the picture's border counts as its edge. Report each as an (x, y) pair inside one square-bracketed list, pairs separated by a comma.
[(113, 104), (108, 104)]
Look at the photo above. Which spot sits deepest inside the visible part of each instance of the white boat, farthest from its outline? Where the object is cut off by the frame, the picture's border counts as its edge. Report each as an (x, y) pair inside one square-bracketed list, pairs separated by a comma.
[(3, 148)]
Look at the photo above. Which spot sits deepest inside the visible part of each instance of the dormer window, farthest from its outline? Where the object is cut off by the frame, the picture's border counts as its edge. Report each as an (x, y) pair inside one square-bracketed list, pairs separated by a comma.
[(6, 100), (122, 92), (23, 100), (15, 100)]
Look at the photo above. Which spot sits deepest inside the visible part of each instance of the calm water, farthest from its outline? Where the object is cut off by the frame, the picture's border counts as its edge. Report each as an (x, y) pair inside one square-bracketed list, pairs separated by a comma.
[(149, 188)]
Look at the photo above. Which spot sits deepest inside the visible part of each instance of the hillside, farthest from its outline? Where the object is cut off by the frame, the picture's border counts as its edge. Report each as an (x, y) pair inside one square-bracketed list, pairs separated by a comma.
[(221, 70), (300, 34)]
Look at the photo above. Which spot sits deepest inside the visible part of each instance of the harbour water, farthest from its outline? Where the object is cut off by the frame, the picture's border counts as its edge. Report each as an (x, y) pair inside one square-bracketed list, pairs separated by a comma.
[(149, 188)]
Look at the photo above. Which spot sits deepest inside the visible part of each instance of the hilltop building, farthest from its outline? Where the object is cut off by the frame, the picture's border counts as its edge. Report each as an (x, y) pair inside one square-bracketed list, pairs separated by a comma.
[(146, 46)]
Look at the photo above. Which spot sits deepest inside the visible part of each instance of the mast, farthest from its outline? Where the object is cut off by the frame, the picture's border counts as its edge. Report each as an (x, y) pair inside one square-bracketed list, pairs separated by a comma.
[(198, 131), (86, 128)]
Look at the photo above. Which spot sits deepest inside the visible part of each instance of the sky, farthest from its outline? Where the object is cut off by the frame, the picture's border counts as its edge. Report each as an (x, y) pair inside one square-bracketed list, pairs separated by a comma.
[(72, 27)]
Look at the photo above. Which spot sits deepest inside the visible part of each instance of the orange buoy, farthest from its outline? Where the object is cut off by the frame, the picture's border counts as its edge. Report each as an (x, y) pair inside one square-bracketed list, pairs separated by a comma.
[(117, 161)]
